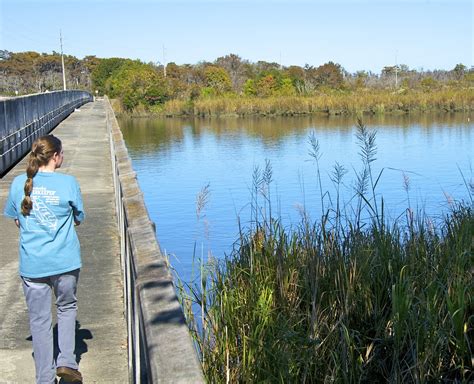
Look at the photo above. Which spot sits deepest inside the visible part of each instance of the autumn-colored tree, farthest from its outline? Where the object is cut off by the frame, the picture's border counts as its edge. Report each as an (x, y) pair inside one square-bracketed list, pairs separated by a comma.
[(137, 83), (266, 86), (197, 74), (174, 71), (176, 77), (329, 75), (30, 72), (91, 62), (296, 74), (235, 67)]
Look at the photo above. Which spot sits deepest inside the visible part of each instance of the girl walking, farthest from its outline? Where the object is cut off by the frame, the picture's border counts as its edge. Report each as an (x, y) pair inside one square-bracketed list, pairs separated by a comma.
[(46, 205)]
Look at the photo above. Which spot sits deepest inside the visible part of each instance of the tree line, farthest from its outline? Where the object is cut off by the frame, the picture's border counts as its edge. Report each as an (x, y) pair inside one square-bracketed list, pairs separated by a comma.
[(150, 85)]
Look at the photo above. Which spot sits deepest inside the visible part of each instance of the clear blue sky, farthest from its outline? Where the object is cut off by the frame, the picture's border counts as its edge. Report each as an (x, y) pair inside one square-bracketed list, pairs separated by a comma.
[(357, 34)]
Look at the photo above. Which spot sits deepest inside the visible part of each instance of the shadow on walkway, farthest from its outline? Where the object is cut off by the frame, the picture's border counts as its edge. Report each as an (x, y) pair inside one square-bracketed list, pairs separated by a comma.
[(82, 334)]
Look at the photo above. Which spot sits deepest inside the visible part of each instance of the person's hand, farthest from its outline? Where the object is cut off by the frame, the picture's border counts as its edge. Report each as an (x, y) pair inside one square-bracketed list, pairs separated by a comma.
[(76, 223)]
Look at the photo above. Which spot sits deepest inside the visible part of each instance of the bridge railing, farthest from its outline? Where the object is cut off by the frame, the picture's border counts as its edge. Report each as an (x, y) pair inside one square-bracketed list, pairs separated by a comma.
[(160, 348), (24, 118)]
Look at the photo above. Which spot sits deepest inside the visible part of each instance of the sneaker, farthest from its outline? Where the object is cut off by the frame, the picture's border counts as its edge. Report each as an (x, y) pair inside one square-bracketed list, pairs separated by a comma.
[(69, 374)]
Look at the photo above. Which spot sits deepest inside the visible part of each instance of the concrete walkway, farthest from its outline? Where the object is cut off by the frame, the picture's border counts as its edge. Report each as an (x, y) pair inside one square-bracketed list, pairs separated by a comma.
[(101, 339)]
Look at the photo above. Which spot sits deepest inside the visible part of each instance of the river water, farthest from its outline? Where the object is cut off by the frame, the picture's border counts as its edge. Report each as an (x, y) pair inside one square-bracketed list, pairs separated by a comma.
[(425, 163)]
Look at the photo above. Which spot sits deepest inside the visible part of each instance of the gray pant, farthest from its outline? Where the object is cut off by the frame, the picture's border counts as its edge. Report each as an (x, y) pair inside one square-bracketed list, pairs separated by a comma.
[(38, 300)]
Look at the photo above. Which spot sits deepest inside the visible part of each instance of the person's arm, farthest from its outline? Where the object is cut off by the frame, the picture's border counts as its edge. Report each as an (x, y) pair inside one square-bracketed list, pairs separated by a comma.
[(77, 206), (10, 210)]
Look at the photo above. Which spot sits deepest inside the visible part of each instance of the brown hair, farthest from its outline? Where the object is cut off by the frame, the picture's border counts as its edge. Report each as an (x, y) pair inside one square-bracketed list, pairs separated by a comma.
[(42, 151)]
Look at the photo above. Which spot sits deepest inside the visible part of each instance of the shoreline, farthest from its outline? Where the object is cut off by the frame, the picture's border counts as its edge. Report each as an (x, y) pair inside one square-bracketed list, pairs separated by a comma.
[(347, 104), (414, 112)]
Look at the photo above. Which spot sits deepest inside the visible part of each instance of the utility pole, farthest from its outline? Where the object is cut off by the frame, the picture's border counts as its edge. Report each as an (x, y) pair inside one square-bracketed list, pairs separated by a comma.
[(62, 59), (164, 62), (396, 69)]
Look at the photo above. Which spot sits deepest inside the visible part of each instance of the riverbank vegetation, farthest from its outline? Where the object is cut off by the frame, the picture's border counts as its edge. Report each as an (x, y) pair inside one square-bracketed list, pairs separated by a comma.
[(232, 86), (342, 102), (352, 297)]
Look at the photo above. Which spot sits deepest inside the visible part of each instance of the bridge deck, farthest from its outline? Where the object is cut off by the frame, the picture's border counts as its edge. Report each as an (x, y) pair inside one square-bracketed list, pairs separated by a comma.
[(101, 339)]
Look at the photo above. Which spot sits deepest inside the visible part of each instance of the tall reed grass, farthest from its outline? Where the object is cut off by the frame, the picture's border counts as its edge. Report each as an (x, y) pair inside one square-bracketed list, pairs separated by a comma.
[(349, 298), (337, 102)]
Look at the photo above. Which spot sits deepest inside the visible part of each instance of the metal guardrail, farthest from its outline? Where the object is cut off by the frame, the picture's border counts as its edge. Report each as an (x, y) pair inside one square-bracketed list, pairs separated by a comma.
[(23, 119), (160, 348)]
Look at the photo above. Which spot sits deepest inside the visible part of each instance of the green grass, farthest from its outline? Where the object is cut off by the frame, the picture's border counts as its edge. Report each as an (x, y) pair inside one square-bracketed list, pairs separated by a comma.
[(342, 299)]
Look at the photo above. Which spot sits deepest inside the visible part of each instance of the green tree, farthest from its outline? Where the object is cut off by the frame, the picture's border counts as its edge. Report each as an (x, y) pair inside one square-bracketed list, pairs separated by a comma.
[(459, 71), (296, 74), (249, 88), (218, 79), (104, 70), (136, 83), (286, 88)]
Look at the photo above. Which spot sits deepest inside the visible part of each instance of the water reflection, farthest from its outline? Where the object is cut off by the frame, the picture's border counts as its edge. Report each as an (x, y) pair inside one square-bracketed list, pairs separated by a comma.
[(175, 158), (147, 133)]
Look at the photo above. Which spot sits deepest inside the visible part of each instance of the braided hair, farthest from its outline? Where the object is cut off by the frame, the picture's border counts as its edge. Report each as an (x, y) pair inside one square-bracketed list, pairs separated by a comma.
[(42, 151)]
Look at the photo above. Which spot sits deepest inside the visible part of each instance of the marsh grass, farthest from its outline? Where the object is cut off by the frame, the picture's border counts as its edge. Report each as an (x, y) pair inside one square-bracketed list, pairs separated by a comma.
[(349, 298), (332, 103)]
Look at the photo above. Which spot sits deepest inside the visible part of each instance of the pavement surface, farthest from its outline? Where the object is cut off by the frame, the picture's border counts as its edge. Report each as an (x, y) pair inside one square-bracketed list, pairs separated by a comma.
[(101, 336)]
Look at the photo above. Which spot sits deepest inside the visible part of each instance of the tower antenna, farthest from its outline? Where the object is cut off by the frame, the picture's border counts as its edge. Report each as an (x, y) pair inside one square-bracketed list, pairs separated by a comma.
[(62, 59), (396, 69), (164, 62)]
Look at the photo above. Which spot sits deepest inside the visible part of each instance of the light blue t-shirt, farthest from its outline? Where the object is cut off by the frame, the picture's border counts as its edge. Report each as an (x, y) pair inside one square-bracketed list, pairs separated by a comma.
[(48, 241)]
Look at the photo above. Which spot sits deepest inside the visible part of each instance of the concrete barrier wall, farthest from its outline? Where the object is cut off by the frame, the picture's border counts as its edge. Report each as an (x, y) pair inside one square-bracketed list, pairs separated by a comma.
[(23, 119), (160, 346)]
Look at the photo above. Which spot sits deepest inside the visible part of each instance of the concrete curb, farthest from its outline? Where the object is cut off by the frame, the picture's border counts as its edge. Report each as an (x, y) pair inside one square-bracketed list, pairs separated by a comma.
[(161, 349)]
